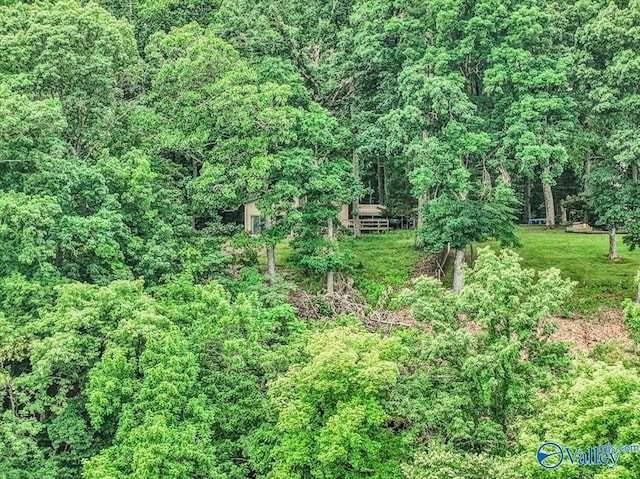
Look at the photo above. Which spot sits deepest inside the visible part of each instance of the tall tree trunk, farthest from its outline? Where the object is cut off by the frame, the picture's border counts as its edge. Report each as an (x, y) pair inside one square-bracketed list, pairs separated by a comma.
[(506, 177), (587, 172), (271, 254), (330, 283), (330, 276), (563, 214), (385, 184), (458, 280), (613, 246), (634, 173), (458, 263), (380, 184), (357, 232), (638, 293), (527, 200), (549, 206), (421, 202)]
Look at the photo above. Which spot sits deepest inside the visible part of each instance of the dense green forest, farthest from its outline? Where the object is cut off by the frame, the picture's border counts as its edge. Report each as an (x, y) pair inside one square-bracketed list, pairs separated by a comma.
[(144, 333)]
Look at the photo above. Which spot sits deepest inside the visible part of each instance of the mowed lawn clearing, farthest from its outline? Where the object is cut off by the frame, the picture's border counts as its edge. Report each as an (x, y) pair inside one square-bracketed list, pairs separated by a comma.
[(376, 262), (583, 258), (381, 261), (386, 260)]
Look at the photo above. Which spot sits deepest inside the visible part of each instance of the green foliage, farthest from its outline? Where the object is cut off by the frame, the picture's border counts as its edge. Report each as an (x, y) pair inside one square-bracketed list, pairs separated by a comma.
[(600, 282), (609, 194), (218, 373), (76, 54), (605, 50), (108, 216), (446, 148), (25, 233), (505, 297), (530, 73), (597, 408), (331, 417), (138, 338), (473, 219), (246, 139), (330, 184), (470, 387), (440, 462), (151, 16), (632, 321), (46, 363), (611, 352)]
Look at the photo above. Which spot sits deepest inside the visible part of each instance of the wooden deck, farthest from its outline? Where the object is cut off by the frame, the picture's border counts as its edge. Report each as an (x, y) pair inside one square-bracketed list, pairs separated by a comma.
[(378, 225)]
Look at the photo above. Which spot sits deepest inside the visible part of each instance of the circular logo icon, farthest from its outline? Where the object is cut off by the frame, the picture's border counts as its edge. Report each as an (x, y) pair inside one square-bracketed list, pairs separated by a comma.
[(550, 455)]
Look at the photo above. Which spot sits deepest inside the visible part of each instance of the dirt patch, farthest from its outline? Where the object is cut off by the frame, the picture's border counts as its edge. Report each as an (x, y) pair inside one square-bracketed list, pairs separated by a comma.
[(585, 333), (582, 333)]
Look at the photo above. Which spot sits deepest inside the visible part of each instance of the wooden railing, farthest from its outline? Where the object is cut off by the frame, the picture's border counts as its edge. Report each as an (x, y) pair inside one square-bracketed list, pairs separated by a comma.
[(377, 225)]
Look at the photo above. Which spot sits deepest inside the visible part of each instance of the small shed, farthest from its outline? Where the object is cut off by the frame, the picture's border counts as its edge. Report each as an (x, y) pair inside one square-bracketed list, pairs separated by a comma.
[(371, 217)]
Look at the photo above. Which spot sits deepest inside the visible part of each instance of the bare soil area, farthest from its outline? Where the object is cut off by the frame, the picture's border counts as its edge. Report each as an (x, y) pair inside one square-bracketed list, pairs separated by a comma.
[(585, 333)]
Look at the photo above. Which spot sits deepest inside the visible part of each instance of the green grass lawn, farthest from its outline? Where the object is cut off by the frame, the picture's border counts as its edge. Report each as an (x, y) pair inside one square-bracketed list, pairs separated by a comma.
[(377, 262), (583, 258), (387, 260), (381, 261)]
